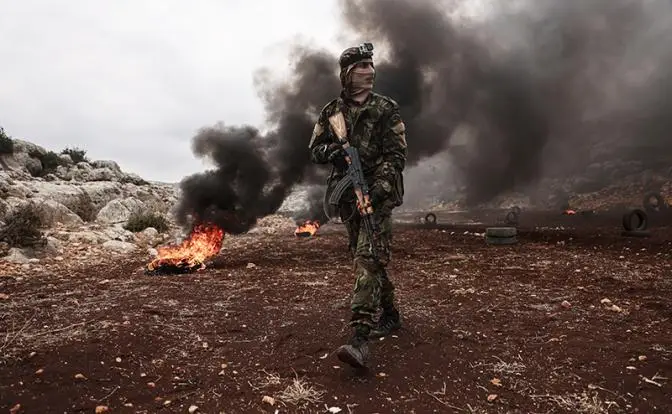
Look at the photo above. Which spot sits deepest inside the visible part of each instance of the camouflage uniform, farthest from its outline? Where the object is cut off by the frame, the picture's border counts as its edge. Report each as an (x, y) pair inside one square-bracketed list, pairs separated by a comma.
[(376, 129)]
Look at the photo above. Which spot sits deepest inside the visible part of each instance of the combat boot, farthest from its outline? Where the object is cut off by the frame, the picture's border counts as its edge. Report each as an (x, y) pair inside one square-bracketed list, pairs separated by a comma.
[(389, 322), (356, 352)]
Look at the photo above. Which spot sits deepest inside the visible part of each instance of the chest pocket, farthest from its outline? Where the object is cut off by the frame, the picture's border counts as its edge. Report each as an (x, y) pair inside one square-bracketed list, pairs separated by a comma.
[(368, 134)]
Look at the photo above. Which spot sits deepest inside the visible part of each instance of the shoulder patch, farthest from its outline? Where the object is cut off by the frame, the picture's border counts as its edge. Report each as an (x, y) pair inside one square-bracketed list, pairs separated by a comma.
[(399, 130), (317, 131)]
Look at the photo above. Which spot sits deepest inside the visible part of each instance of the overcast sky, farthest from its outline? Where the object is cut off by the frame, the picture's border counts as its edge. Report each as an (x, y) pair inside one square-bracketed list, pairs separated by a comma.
[(132, 80)]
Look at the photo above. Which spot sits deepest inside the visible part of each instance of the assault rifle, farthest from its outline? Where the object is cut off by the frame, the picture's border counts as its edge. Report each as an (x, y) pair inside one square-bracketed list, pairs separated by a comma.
[(356, 178)]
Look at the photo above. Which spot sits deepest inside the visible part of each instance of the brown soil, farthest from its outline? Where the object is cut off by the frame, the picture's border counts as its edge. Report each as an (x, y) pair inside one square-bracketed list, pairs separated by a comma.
[(571, 319)]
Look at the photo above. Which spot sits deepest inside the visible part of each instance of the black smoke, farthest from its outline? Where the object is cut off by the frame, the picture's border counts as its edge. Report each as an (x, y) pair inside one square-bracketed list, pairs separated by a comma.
[(543, 87), (255, 172)]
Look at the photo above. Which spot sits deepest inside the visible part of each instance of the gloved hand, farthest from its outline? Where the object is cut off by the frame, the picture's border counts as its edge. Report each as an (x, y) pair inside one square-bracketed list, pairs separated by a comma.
[(336, 155), (334, 151)]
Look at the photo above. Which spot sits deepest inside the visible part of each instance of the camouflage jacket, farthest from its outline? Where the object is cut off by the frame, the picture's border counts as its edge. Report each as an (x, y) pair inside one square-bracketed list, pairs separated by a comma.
[(377, 131)]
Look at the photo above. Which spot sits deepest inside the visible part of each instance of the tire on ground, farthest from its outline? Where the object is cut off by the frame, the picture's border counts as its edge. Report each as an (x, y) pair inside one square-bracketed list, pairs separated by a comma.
[(629, 217), (430, 218), (501, 240), (636, 233), (501, 232)]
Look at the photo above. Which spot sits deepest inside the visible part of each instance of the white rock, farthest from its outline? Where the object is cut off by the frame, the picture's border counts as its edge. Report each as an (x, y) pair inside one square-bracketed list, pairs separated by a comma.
[(117, 232), (111, 165), (52, 212), (150, 233), (87, 236), (119, 210), (119, 246), (17, 256)]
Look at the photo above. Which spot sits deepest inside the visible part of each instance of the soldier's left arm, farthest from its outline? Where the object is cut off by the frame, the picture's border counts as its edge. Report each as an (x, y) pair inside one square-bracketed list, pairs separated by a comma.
[(394, 148)]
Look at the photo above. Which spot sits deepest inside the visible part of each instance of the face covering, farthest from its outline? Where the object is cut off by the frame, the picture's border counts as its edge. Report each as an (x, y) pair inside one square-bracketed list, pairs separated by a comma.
[(360, 81)]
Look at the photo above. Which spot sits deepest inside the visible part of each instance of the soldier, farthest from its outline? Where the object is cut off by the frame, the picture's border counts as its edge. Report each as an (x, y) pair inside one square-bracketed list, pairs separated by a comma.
[(376, 129)]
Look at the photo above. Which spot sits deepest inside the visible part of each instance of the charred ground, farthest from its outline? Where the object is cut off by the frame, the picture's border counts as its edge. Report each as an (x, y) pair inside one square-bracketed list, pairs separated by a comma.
[(526, 325)]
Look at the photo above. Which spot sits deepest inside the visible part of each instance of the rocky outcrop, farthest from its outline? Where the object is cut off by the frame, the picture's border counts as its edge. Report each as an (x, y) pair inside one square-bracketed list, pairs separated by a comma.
[(84, 207), (74, 193), (85, 202)]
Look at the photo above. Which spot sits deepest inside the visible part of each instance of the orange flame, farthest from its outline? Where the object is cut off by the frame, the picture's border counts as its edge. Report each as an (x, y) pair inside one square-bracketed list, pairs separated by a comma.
[(569, 212), (307, 229), (204, 242)]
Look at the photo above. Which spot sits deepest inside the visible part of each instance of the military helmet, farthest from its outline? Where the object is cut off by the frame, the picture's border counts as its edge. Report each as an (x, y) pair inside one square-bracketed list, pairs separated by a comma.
[(352, 55)]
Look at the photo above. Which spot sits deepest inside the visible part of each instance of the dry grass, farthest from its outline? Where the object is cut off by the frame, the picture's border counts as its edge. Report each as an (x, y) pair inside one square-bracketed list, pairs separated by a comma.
[(583, 403), (270, 379), (12, 337), (299, 392), (503, 367)]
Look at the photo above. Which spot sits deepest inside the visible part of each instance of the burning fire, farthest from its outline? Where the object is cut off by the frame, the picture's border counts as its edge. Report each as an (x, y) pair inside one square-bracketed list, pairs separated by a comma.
[(569, 212), (204, 242), (307, 229)]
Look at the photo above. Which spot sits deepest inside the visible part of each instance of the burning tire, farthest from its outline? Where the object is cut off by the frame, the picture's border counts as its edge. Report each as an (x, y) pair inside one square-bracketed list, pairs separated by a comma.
[(430, 218), (654, 202), (501, 235), (635, 220)]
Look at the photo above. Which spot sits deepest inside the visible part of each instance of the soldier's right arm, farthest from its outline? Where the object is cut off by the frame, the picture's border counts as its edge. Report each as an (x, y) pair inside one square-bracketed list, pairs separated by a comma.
[(321, 140)]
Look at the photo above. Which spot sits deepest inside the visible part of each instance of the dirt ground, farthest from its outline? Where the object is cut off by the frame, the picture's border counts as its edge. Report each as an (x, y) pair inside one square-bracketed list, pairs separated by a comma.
[(573, 318)]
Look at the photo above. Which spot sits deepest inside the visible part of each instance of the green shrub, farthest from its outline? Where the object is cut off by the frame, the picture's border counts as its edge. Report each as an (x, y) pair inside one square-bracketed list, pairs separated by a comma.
[(22, 227), (6, 143), (140, 221), (76, 154), (50, 161)]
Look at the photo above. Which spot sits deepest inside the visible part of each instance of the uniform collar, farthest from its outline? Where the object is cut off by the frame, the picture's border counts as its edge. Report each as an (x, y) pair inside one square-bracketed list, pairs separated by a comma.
[(344, 100)]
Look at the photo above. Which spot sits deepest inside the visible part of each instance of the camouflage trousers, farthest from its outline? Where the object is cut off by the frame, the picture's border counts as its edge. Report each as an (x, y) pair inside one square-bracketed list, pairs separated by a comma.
[(373, 288)]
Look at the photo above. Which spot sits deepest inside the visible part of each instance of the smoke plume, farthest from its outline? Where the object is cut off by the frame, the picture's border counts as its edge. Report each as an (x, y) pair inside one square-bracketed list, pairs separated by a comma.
[(519, 91)]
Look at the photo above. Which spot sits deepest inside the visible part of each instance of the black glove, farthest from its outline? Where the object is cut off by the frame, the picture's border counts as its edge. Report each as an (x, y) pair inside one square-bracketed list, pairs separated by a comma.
[(336, 155), (334, 152)]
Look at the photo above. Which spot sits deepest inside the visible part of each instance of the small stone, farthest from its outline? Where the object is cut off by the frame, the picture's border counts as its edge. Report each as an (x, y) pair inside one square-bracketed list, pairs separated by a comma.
[(566, 304), (39, 371), (492, 397), (192, 409), (642, 358), (102, 409), (80, 376)]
